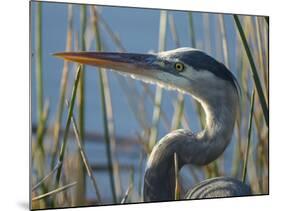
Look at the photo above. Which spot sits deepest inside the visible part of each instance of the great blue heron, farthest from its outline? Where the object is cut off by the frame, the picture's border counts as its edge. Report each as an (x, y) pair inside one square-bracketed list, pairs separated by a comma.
[(189, 71)]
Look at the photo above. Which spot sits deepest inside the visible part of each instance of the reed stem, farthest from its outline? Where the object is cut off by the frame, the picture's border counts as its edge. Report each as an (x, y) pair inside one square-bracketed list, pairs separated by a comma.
[(39, 71), (65, 135), (102, 79), (81, 175), (85, 158), (248, 137), (63, 88), (254, 70), (177, 184), (159, 91), (60, 189)]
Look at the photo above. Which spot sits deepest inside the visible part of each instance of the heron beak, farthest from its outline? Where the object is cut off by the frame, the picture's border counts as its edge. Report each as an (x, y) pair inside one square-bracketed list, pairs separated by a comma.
[(131, 63)]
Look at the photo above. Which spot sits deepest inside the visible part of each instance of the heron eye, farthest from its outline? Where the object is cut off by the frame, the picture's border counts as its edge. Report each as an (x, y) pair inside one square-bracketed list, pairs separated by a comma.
[(179, 67)]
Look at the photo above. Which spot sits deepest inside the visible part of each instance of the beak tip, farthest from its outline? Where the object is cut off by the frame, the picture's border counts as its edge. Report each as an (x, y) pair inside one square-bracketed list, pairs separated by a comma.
[(60, 55)]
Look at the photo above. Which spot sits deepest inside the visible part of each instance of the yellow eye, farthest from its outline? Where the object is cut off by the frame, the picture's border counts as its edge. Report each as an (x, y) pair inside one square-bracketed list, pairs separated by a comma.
[(179, 67)]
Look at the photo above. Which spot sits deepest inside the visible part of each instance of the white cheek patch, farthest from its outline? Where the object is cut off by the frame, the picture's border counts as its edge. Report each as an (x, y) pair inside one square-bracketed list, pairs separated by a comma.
[(203, 83), (204, 77), (210, 80), (194, 74)]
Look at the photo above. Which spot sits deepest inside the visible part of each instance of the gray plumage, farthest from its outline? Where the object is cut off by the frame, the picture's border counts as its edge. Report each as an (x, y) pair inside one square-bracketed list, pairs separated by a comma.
[(218, 187), (208, 81), (217, 92)]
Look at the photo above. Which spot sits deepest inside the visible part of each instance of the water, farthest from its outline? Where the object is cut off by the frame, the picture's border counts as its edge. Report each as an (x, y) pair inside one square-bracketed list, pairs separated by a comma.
[(138, 31)]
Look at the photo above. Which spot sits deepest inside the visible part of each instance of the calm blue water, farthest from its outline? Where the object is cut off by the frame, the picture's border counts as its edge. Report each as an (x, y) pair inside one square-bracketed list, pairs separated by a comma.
[(138, 30)]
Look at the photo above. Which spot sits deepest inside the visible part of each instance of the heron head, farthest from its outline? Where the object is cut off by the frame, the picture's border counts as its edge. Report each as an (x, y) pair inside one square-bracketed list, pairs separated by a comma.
[(185, 69)]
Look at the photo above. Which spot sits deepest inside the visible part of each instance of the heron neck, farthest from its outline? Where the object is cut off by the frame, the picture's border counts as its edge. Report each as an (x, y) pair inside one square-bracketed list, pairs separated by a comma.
[(199, 149)]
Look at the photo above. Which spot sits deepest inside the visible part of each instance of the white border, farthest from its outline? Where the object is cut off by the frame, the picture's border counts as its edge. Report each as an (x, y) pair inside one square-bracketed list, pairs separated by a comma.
[(14, 112)]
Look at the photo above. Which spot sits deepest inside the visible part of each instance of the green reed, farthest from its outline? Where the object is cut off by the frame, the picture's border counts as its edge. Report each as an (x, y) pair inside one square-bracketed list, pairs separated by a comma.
[(65, 135), (81, 175), (102, 78), (60, 189), (177, 185), (248, 137), (130, 186), (85, 159), (159, 91), (39, 71), (38, 155), (253, 69), (63, 88)]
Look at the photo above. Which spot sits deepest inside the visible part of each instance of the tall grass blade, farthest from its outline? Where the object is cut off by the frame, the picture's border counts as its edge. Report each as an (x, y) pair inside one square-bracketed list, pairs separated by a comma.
[(102, 79), (191, 29), (265, 38), (123, 201), (130, 187), (60, 189), (39, 161), (81, 175), (63, 87), (39, 71), (113, 36), (65, 135), (177, 184), (174, 31), (254, 70), (248, 137), (46, 177), (159, 91), (207, 34), (111, 131), (39, 151), (41, 121), (41, 130), (42, 112), (81, 96), (179, 111), (85, 158), (260, 55), (224, 40)]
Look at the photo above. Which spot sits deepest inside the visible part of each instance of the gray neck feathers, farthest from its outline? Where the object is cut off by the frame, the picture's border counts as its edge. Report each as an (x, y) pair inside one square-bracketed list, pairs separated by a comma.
[(199, 149)]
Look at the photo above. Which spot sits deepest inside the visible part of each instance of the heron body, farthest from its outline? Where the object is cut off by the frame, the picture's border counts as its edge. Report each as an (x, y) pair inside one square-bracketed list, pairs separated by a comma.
[(218, 187), (208, 81)]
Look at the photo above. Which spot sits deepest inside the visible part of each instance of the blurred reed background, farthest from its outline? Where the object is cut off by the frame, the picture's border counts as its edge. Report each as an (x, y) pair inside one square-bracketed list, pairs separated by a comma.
[(92, 131)]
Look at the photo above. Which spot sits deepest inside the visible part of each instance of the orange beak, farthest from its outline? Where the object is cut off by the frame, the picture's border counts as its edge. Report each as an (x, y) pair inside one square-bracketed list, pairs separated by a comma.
[(130, 63)]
